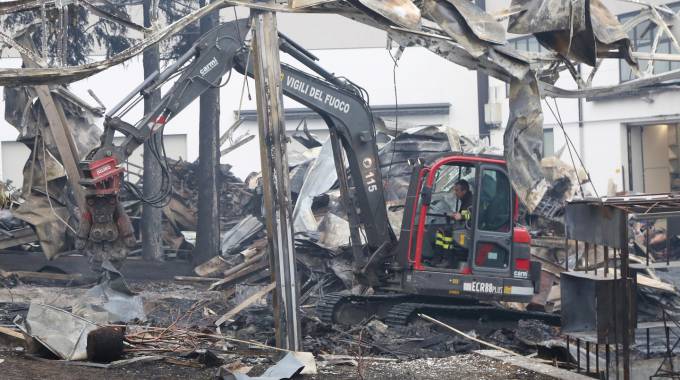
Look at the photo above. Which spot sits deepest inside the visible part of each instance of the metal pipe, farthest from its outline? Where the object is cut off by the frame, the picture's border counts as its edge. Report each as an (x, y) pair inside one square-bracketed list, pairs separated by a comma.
[(287, 47), (132, 94), (348, 203), (172, 69), (283, 37), (155, 76)]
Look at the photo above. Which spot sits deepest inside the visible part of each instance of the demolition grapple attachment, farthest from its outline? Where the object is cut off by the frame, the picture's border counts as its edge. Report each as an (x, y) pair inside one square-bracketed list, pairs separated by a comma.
[(105, 231)]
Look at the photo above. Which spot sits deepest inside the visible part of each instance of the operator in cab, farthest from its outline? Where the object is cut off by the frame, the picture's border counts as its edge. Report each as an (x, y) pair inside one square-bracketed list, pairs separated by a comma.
[(462, 191), (451, 245)]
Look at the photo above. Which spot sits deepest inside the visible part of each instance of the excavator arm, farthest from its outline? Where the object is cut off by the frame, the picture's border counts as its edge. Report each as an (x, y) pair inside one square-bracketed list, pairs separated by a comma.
[(347, 115), (338, 101)]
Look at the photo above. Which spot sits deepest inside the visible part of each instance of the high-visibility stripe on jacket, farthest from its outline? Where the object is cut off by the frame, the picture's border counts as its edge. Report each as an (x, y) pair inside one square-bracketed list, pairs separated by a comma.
[(443, 241)]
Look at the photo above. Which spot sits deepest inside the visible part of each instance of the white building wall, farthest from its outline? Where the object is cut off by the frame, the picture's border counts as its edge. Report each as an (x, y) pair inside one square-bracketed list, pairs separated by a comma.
[(421, 77)]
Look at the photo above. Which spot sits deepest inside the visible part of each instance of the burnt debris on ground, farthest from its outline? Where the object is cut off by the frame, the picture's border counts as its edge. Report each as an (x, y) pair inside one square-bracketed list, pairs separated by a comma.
[(216, 317)]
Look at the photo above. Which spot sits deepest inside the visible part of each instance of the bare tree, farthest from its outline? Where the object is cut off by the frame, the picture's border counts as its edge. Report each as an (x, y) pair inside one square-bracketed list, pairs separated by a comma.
[(151, 214), (208, 229)]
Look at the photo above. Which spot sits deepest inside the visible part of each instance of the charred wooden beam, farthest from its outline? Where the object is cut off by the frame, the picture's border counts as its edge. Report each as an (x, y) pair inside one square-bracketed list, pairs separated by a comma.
[(277, 198)]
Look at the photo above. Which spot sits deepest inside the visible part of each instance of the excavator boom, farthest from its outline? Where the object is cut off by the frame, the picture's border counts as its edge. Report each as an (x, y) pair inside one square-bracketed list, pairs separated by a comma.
[(338, 101)]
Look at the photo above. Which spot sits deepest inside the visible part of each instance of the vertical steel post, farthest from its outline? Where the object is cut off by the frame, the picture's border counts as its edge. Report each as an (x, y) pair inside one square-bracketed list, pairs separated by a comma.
[(668, 243), (578, 355), (606, 260), (597, 360), (626, 317), (647, 245), (614, 302), (482, 94), (607, 360), (647, 336), (568, 352), (277, 198)]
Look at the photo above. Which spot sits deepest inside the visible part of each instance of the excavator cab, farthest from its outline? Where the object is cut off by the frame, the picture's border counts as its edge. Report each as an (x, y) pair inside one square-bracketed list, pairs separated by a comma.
[(446, 243), (484, 255)]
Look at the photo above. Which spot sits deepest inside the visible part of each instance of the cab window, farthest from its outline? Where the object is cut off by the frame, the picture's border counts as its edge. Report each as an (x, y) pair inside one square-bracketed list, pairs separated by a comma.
[(444, 200), (447, 234), (494, 202), (494, 220)]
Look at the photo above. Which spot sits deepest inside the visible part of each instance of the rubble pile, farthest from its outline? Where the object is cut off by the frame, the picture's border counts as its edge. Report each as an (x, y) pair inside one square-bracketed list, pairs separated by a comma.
[(55, 220), (234, 195), (182, 332), (217, 332), (234, 331), (180, 214)]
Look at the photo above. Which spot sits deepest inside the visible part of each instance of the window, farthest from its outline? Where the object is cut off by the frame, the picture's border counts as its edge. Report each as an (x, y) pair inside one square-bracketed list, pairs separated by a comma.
[(642, 38), (444, 200), (494, 202), (494, 220), (548, 143), (527, 43)]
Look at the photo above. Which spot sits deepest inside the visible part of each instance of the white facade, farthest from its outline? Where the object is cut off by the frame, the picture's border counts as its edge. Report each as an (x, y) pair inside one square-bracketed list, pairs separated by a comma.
[(358, 52)]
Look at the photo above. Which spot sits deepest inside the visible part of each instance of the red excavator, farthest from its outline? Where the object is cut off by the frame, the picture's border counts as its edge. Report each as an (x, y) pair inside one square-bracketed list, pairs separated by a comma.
[(440, 262)]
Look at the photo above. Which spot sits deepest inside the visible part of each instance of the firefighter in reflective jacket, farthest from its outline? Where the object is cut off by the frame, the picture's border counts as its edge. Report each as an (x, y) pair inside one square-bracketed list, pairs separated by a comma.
[(444, 239), (462, 191)]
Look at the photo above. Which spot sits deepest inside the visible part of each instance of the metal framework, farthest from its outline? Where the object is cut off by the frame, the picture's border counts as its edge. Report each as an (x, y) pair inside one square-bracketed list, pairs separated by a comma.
[(408, 30), (604, 222)]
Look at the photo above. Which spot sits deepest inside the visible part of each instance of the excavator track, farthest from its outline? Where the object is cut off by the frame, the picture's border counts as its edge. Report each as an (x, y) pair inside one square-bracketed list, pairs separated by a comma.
[(326, 307), (349, 309), (400, 310), (402, 314)]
